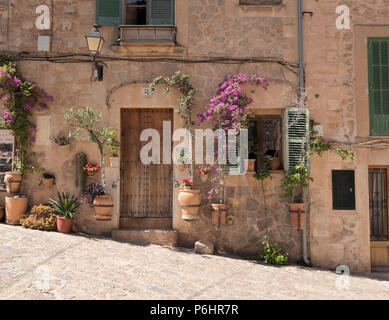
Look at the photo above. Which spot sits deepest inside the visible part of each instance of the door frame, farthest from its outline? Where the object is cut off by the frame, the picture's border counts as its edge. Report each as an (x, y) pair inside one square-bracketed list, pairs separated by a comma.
[(145, 222)]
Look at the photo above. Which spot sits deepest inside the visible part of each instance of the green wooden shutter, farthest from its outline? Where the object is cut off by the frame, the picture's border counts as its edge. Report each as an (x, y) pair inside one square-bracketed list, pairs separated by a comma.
[(378, 60), (162, 12), (109, 12), (343, 190), (297, 135)]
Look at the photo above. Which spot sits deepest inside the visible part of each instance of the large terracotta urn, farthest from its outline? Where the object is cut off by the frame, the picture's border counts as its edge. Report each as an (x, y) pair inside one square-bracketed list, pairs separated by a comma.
[(12, 181), (297, 214), (15, 208), (103, 207), (190, 200)]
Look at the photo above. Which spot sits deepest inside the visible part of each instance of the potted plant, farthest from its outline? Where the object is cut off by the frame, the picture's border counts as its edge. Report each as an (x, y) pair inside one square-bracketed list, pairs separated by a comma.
[(99, 200), (66, 208), (189, 199), (64, 140), (12, 180), (204, 172), (91, 168), (104, 137), (114, 147), (296, 179), (15, 208), (181, 159), (48, 180)]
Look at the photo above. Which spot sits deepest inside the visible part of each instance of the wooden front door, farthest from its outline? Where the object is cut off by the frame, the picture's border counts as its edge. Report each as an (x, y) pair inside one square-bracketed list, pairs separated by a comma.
[(378, 207), (146, 190)]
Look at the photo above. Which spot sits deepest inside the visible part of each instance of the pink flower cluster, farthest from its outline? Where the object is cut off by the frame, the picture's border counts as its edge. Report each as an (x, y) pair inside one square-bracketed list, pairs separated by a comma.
[(8, 117), (230, 102)]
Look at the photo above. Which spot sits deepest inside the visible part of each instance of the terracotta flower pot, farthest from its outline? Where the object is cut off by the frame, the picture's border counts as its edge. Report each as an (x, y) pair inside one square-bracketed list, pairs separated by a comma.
[(204, 177), (48, 183), (249, 165), (275, 163), (15, 208), (65, 148), (181, 166), (219, 212), (297, 214), (90, 173), (12, 181), (114, 162), (103, 207), (64, 225), (190, 200)]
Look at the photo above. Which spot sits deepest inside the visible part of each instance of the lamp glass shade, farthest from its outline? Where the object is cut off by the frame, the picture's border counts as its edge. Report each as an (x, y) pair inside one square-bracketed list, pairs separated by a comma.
[(94, 42)]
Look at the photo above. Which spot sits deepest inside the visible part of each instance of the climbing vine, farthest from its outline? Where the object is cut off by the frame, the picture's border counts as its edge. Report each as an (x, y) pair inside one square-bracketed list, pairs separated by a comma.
[(185, 102), (19, 98)]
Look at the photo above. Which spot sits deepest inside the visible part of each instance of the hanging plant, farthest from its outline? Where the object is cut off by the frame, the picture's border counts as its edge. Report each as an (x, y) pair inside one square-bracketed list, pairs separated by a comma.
[(19, 99), (185, 102)]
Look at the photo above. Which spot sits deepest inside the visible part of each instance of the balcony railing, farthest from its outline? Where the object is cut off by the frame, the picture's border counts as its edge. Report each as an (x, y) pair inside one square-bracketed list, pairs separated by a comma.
[(147, 33)]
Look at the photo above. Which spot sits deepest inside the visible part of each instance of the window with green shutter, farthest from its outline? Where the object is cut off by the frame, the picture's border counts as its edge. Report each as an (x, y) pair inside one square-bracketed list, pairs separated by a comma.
[(108, 12), (343, 190), (378, 61), (162, 12), (297, 135)]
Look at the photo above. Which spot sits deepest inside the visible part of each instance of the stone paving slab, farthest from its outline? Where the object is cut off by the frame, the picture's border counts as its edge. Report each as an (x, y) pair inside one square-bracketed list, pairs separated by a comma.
[(50, 265)]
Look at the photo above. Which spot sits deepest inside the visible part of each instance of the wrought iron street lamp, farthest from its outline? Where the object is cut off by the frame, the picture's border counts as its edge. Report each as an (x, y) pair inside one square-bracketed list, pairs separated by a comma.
[(95, 43)]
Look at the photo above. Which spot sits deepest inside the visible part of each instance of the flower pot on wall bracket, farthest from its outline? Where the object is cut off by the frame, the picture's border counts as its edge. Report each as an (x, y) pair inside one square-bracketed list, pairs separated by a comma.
[(114, 162), (219, 213), (48, 183), (12, 181), (15, 208), (181, 166), (103, 207), (297, 214), (249, 165), (190, 200)]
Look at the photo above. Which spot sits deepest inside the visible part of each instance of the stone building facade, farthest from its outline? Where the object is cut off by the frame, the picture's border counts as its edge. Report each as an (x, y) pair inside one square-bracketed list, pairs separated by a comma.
[(215, 38)]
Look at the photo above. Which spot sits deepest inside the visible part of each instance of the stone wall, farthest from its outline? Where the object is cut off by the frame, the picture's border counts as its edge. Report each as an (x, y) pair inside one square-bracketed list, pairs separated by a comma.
[(217, 28)]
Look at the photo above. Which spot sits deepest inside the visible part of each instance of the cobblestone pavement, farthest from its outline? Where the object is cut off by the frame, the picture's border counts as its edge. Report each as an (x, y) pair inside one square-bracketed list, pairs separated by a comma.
[(43, 265)]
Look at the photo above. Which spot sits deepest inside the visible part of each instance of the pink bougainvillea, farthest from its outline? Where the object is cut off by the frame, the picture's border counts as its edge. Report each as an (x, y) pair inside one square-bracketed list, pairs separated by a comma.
[(229, 109)]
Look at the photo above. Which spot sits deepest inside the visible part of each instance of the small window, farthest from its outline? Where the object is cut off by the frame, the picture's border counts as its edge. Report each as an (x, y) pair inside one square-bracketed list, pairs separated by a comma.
[(7, 146), (261, 2), (268, 138), (136, 12), (343, 190)]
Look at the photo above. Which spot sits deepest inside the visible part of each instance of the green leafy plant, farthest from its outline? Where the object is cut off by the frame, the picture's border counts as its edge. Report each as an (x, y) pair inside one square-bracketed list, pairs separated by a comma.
[(345, 154), (273, 254), (297, 177), (66, 139), (87, 119), (185, 102), (40, 218), (66, 205), (264, 170)]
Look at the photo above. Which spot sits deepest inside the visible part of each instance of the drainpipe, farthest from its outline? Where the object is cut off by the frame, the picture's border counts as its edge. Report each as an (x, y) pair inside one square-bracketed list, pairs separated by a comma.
[(301, 96)]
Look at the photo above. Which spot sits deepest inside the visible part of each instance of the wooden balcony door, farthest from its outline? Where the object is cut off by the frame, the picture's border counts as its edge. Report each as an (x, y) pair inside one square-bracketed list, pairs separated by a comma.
[(146, 190)]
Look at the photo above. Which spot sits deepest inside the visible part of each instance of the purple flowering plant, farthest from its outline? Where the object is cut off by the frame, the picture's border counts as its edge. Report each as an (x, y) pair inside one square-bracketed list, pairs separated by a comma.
[(19, 98), (93, 190), (229, 110)]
